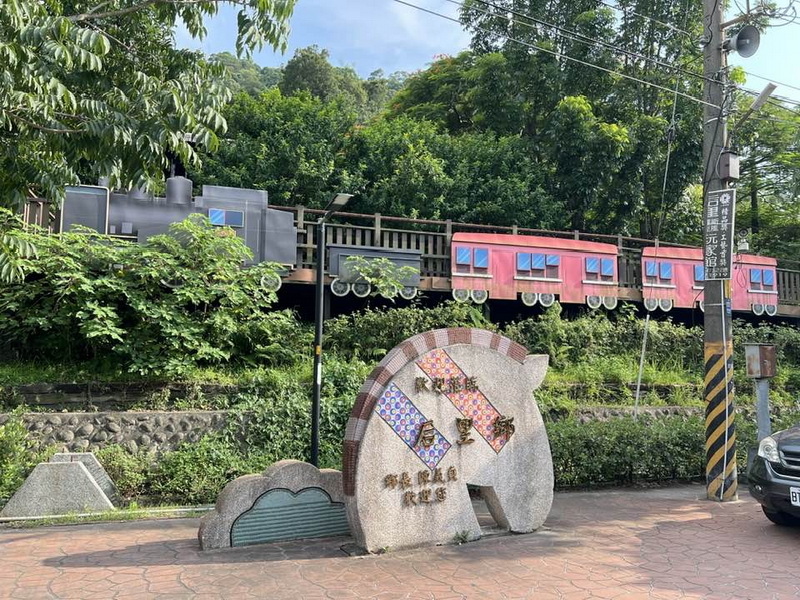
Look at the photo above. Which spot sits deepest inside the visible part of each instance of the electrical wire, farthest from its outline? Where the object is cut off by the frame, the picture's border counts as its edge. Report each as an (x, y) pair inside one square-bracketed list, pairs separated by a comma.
[(559, 54), (573, 35), (634, 13), (791, 87)]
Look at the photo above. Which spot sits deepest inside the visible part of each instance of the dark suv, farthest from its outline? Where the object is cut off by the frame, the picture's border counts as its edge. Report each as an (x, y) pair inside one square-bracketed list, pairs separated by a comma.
[(774, 476)]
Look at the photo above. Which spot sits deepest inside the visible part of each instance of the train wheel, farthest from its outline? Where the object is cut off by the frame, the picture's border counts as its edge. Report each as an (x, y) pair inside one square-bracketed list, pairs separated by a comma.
[(339, 287), (771, 310), (408, 292), (651, 304), (610, 302), (547, 299), (460, 295), (594, 302), (479, 296), (272, 283), (758, 309), (529, 298), (702, 306), (361, 289), (391, 292), (665, 304)]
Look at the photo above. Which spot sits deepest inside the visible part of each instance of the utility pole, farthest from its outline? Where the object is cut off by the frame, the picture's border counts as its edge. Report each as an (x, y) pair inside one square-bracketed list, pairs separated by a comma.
[(721, 474)]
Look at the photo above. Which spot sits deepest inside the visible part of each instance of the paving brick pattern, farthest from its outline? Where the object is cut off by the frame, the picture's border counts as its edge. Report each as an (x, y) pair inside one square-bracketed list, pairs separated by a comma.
[(613, 544)]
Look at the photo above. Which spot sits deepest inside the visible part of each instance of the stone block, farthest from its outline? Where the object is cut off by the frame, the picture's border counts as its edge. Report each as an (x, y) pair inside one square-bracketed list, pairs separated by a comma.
[(95, 468), (57, 488), (290, 500)]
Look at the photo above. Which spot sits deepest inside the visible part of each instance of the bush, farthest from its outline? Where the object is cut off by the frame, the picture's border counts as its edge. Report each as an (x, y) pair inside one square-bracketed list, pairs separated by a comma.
[(129, 472), (18, 454), (371, 333), (173, 303), (625, 451)]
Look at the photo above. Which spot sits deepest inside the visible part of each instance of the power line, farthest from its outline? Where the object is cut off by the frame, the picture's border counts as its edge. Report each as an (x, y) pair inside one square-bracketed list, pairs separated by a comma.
[(632, 12), (568, 33), (559, 54), (772, 80)]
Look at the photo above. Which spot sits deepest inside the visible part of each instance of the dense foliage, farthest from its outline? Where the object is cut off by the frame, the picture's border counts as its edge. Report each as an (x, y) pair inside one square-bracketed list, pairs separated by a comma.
[(177, 301), (99, 89)]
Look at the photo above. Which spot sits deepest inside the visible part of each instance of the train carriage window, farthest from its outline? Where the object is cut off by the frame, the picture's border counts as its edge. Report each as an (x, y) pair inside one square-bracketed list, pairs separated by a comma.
[(699, 273), (665, 270), (538, 262), (553, 261), (607, 267), (464, 256), (592, 268), (768, 278), (481, 258), (523, 261), (755, 279), (650, 269)]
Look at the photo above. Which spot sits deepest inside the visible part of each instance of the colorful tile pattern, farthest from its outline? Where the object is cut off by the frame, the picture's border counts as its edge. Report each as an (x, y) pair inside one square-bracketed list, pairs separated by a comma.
[(405, 419), (438, 364)]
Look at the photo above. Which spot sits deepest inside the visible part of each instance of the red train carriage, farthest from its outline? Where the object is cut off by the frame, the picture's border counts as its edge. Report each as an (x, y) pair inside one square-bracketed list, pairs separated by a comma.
[(675, 277), (533, 268)]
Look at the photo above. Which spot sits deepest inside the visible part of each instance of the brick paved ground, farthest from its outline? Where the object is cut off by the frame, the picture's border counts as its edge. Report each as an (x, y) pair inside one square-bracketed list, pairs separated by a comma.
[(611, 544)]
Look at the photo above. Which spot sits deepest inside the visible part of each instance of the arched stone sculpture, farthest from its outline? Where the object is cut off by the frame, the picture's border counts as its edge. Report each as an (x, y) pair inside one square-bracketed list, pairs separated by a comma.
[(445, 409)]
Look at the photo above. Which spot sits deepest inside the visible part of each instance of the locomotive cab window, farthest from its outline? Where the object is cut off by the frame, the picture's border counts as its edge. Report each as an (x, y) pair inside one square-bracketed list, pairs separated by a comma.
[(699, 273), (229, 218)]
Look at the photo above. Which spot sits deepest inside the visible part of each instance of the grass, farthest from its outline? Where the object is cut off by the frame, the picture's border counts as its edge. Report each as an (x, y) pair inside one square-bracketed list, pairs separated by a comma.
[(133, 512)]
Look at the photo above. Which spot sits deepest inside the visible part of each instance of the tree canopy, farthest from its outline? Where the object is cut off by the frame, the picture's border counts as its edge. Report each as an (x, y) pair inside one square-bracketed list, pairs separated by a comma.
[(100, 88)]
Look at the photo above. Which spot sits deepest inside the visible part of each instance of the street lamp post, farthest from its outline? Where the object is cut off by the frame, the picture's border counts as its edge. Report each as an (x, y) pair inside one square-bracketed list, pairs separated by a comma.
[(338, 202)]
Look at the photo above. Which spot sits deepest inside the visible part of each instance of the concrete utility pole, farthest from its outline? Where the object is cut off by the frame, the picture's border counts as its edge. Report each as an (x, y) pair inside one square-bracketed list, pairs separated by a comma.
[(721, 474)]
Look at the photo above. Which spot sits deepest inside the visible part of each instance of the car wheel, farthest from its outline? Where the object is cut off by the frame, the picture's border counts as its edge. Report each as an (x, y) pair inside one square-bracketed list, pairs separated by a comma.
[(781, 518)]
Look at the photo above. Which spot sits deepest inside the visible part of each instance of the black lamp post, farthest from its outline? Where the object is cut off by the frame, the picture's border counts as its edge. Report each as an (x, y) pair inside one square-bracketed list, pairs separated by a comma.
[(334, 205)]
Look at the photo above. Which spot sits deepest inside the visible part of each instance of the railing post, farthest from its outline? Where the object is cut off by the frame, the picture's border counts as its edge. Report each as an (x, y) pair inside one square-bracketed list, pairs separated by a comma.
[(302, 237), (448, 231), (376, 235), (576, 233), (514, 229)]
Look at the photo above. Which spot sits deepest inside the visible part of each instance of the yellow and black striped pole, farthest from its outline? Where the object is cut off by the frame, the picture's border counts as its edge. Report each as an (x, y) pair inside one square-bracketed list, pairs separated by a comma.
[(721, 473)]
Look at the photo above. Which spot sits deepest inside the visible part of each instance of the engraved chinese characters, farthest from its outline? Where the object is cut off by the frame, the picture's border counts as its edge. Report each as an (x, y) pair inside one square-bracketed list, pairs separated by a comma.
[(424, 479), (443, 410)]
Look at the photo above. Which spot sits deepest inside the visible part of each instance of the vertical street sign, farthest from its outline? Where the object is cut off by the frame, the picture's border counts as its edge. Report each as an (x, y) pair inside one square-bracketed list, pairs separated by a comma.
[(718, 232)]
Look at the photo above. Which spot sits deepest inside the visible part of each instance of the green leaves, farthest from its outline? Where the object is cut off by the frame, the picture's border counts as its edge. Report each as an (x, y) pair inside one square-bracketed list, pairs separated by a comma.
[(90, 90), (177, 301)]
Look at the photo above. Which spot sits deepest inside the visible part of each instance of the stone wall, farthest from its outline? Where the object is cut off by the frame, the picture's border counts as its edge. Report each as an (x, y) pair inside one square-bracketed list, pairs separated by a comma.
[(156, 431)]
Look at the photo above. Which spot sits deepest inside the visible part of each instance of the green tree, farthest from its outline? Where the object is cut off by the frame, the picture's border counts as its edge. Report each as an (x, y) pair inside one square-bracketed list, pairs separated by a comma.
[(286, 145), (101, 87), (245, 75)]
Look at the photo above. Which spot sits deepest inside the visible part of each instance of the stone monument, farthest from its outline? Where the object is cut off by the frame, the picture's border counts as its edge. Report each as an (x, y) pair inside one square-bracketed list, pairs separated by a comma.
[(447, 409), (57, 488)]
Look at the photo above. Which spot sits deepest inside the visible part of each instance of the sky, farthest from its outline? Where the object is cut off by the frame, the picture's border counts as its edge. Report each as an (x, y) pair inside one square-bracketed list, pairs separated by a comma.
[(382, 34)]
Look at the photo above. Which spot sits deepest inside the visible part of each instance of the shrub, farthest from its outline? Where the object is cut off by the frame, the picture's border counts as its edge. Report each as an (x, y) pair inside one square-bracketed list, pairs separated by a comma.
[(371, 333), (624, 451), (129, 472), (175, 302), (18, 454)]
